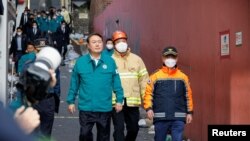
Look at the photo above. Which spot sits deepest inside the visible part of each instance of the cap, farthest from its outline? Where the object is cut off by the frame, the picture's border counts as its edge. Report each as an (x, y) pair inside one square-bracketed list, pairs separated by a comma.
[(119, 35), (169, 51)]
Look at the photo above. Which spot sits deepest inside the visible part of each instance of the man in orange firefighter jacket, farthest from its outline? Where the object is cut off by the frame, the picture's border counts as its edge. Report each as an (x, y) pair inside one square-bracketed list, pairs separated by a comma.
[(134, 77), (168, 98)]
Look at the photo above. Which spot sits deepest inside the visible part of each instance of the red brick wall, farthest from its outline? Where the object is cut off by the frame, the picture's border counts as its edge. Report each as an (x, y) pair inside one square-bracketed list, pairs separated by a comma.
[(96, 7), (221, 86)]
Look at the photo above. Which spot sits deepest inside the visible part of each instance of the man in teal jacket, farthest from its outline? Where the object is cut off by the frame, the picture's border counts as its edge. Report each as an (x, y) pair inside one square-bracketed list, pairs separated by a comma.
[(27, 58), (95, 77), (109, 50)]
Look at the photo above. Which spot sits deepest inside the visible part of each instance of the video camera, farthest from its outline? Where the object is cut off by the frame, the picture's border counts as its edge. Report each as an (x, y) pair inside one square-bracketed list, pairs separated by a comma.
[(35, 80)]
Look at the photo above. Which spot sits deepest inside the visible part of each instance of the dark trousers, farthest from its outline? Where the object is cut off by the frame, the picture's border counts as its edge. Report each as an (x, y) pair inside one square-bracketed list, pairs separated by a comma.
[(87, 121), (162, 127), (63, 48), (46, 109), (130, 116)]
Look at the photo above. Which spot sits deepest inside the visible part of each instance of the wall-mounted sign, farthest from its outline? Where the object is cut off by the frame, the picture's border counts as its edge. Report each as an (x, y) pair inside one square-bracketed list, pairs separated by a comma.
[(224, 43), (238, 38), (83, 15)]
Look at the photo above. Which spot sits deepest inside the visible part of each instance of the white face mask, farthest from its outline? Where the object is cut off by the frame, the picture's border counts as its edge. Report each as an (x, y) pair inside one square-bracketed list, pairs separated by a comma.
[(121, 47), (110, 46), (170, 62), (19, 33)]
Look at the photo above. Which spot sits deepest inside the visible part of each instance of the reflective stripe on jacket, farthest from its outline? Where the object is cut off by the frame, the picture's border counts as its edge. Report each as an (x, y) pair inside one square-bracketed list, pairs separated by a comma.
[(134, 77)]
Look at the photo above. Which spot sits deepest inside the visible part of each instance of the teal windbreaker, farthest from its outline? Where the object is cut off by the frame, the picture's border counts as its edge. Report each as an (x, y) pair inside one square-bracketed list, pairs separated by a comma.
[(29, 57), (108, 52), (44, 24), (53, 25), (95, 84)]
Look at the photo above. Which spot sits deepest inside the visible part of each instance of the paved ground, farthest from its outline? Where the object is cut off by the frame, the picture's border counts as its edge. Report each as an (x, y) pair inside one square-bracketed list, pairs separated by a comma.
[(66, 126)]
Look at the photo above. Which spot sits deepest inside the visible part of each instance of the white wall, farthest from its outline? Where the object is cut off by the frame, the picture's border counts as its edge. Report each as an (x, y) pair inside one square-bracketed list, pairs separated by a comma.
[(3, 54), (20, 9)]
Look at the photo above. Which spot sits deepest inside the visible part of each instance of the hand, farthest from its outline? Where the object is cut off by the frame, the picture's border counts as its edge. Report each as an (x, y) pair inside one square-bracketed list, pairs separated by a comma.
[(118, 107), (189, 118), (53, 78), (27, 119), (54, 42), (150, 114), (71, 108)]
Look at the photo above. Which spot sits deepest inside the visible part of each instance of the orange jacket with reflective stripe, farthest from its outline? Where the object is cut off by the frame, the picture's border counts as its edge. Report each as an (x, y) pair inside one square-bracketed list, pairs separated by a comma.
[(169, 95)]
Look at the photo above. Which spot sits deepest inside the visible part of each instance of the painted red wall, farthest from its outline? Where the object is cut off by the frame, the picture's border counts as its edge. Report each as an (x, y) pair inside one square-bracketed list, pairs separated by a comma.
[(221, 86)]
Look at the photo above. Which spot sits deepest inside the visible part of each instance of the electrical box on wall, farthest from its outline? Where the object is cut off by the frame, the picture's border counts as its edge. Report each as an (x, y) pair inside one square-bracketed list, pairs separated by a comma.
[(225, 43), (238, 38)]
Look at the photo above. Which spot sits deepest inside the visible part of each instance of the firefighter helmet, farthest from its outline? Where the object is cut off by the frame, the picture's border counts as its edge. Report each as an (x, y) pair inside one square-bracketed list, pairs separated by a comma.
[(119, 35)]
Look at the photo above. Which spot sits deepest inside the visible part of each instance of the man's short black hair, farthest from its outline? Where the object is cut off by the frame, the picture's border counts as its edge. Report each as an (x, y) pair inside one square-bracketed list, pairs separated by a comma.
[(34, 22), (109, 39), (31, 43), (19, 28), (94, 34)]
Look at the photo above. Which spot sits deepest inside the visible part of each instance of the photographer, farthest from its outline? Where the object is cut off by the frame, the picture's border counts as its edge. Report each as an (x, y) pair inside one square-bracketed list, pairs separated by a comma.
[(48, 106), (38, 86)]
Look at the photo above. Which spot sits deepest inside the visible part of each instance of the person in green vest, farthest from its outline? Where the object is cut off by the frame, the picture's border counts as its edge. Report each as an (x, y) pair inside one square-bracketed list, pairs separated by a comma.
[(54, 23), (44, 24), (59, 16)]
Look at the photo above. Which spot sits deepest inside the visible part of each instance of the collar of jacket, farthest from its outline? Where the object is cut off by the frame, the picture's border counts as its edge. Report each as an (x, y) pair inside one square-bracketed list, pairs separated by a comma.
[(90, 59), (117, 54), (169, 71)]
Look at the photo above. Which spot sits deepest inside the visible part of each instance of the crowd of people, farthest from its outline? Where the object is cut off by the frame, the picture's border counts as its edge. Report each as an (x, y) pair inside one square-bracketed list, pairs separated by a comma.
[(52, 26), (110, 81)]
